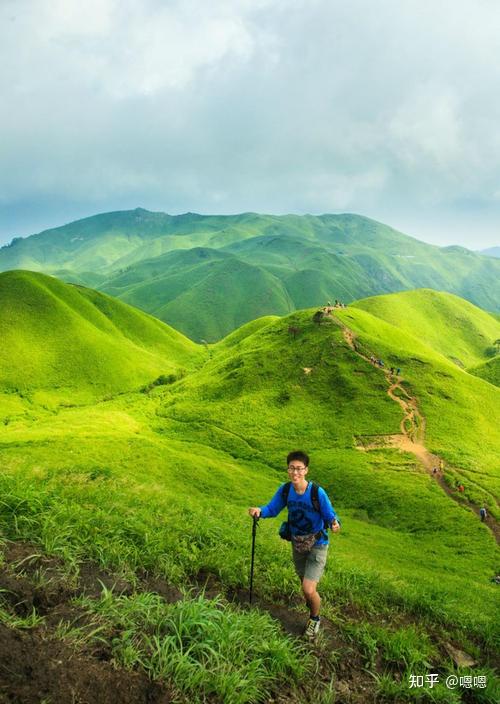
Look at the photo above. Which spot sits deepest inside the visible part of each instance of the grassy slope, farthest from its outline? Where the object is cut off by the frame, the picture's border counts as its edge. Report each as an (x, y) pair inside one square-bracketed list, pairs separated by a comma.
[(461, 409), (111, 241), (205, 292), (489, 371), (162, 480), (297, 261), (223, 432), (286, 272), (449, 325), (60, 335)]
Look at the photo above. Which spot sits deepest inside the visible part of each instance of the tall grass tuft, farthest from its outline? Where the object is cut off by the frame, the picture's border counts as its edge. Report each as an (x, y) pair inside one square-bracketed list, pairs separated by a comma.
[(203, 647)]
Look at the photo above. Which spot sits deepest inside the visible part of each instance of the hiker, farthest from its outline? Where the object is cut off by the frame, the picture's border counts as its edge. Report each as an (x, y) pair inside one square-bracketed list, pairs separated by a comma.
[(461, 488), (435, 470), (483, 514), (398, 371), (310, 512)]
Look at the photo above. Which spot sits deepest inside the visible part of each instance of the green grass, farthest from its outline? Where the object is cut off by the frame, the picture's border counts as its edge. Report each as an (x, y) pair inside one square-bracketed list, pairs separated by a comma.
[(161, 480), (60, 336), (208, 274), (447, 324), (489, 371), (460, 408), (203, 647)]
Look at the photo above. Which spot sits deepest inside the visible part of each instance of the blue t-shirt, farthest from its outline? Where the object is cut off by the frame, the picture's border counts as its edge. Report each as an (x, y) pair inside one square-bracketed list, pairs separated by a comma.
[(302, 517)]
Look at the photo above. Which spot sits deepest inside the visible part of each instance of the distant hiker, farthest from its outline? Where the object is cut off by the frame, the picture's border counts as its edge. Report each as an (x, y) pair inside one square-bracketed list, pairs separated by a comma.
[(435, 470), (398, 371), (392, 370), (441, 465), (483, 514), (380, 363), (372, 359), (461, 488), (310, 512)]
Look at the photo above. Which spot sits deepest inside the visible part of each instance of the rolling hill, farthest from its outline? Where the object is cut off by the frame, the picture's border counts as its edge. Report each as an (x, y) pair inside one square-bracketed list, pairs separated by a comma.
[(455, 328), (189, 269), (57, 335), (489, 371), (153, 485)]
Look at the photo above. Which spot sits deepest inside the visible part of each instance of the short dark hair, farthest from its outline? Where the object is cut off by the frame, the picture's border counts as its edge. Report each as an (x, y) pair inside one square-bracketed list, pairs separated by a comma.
[(298, 455)]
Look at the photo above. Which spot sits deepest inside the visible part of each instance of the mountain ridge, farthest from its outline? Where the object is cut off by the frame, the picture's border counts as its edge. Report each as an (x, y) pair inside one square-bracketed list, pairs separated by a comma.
[(298, 261)]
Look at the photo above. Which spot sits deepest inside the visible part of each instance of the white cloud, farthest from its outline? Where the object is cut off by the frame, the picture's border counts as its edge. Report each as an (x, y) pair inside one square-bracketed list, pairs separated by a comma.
[(264, 105)]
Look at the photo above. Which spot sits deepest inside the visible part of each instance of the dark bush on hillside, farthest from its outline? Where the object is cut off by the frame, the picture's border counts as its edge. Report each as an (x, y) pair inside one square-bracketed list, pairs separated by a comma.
[(491, 351), (163, 380), (283, 397), (293, 330)]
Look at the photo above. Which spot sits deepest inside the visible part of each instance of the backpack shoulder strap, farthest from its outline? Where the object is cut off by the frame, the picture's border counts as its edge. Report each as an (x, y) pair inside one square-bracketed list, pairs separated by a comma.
[(285, 491), (315, 497), (315, 501)]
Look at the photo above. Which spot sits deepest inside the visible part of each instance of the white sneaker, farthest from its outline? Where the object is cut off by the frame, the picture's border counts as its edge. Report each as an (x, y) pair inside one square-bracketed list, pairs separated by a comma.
[(312, 629)]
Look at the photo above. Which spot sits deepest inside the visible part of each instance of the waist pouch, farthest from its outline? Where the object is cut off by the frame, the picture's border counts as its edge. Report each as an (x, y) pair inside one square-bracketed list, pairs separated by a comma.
[(305, 543)]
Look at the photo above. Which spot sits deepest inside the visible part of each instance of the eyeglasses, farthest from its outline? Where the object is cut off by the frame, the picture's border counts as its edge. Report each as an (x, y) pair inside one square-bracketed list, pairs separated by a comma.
[(293, 469)]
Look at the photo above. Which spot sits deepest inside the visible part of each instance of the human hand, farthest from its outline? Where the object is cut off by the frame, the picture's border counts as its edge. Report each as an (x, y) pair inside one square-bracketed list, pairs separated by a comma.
[(335, 526), (254, 511)]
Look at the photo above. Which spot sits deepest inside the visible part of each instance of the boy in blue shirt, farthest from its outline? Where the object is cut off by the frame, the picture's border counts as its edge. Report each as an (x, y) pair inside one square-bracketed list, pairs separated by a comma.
[(304, 519)]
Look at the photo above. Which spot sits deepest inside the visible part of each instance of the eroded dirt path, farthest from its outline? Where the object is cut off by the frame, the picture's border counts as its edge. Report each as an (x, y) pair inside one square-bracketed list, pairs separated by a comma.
[(412, 436)]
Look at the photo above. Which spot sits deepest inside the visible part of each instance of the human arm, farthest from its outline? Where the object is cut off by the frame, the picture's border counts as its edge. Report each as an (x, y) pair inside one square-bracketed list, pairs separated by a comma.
[(328, 512), (271, 509)]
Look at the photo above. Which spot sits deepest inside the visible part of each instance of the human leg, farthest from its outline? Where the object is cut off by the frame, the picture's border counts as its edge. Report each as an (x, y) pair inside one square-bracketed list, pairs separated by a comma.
[(311, 596), (309, 567)]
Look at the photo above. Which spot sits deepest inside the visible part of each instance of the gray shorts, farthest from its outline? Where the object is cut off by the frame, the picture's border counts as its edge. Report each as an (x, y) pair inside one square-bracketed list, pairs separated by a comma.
[(310, 565)]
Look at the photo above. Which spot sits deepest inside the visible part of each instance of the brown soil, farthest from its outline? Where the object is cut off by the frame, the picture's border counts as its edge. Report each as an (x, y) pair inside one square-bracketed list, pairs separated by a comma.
[(35, 666)]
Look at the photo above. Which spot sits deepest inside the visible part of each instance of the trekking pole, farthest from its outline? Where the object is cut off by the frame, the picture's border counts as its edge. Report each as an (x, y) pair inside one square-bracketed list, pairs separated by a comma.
[(254, 533)]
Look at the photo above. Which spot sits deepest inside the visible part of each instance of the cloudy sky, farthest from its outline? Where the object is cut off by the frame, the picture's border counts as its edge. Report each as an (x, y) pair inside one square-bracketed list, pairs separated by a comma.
[(390, 109)]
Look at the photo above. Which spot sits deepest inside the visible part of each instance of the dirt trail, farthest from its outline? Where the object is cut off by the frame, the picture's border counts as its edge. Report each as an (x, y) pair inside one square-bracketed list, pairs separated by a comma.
[(412, 436)]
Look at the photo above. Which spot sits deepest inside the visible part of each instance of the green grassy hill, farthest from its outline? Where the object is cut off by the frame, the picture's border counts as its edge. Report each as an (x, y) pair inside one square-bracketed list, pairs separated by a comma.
[(57, 335), (286, 273), (154, 261), (489, 371), (157, 483), (204, 292), (449, 325)]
